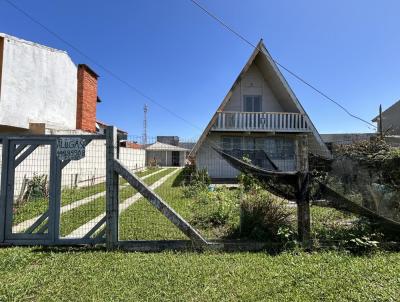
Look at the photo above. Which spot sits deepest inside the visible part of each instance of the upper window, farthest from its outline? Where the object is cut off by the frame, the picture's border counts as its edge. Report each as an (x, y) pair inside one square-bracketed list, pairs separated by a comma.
[(252, 103)]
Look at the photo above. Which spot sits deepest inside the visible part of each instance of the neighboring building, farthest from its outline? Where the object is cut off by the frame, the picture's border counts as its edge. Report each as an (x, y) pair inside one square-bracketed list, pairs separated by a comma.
[(170, 140), (345, 138), (42, 91), (259, 116), (390, 120), (165, 155)]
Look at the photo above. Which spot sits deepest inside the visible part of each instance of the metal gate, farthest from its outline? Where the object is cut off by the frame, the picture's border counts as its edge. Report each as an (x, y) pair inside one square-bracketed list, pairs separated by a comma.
[(41, 221), (37, 156)]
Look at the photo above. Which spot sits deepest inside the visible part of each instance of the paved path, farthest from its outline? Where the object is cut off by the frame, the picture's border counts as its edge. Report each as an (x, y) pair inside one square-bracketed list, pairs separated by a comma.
[(27, 223), (84, 229)]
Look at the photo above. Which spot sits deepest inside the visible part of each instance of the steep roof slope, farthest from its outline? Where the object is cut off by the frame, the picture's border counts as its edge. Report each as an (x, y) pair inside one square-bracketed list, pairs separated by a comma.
[(281, 88)]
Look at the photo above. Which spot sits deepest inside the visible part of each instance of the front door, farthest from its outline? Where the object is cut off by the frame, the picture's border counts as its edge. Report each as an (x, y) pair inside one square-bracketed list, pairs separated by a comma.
[(175, 158)]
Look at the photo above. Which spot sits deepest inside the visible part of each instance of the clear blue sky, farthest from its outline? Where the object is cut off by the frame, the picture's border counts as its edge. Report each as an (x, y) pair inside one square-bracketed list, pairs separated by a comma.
[(186, 61)]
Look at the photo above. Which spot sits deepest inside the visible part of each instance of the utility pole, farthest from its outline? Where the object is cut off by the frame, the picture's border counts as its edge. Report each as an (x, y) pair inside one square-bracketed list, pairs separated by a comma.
[(145, 125)]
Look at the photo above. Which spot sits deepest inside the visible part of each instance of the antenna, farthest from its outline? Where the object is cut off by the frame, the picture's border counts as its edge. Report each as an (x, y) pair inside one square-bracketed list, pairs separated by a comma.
[(145, 125)]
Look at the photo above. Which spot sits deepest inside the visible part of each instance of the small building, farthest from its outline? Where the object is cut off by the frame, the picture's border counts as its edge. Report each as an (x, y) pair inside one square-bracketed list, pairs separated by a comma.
[(390, 120), (165, 155)]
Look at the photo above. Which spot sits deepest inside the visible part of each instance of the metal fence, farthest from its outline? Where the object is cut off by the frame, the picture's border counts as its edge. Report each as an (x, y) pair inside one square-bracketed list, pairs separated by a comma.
[(173, 193)]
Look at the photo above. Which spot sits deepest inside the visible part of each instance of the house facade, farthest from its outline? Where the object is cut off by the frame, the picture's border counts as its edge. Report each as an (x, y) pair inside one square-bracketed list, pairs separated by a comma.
[(165, 155), (261, 119)]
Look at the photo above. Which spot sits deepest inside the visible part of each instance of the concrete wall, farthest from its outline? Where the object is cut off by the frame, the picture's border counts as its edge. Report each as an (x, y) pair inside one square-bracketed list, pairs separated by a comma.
[(253, 83), (217, 167), (38, 85), (87, 171)]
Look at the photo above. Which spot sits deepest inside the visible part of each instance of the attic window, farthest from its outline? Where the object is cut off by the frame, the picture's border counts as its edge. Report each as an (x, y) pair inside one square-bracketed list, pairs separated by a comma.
[(252, 103)]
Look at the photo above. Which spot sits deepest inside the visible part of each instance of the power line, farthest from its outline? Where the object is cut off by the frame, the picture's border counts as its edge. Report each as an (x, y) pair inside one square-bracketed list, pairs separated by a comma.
[(244, 39), (101, 66)]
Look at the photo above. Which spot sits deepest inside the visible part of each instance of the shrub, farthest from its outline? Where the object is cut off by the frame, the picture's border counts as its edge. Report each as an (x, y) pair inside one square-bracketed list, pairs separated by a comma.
[(263, 216), (247, 181), (215, 209), (194, 181), (37, 187)]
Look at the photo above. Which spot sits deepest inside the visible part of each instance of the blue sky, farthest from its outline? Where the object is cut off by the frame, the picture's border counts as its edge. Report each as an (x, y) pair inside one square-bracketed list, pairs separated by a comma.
[(187, 62)]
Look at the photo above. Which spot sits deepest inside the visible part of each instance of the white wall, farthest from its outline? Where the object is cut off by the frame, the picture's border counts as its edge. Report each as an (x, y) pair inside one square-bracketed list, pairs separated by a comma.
[(209, 159), (39, 85), (253, 83)]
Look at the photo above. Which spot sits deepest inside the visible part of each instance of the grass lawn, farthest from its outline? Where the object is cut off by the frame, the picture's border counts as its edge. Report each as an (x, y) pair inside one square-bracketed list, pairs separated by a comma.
[(37, 275), (71, 220), (37, 206)]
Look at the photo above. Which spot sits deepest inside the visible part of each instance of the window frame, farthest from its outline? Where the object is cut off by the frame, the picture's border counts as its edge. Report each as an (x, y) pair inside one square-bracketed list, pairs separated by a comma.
[(253, 98)]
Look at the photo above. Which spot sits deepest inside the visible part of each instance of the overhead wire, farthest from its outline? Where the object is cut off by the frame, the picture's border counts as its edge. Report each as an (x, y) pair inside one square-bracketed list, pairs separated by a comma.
[(247, 41)]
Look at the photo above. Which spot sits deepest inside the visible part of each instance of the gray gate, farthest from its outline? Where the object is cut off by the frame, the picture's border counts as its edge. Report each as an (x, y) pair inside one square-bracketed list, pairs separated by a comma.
[(33, 208), (36, 156)]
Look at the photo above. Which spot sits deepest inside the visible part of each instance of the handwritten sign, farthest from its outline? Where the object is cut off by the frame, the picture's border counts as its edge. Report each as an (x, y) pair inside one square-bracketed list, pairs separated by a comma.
[(70, 148)]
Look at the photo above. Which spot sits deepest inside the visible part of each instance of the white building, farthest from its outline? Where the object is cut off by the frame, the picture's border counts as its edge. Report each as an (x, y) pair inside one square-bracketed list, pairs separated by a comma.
[(41, 88)]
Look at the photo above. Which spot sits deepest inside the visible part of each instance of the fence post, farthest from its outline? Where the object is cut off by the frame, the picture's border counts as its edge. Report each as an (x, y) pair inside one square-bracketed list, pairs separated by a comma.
[(302, 196), (112, 185), (3, 187)]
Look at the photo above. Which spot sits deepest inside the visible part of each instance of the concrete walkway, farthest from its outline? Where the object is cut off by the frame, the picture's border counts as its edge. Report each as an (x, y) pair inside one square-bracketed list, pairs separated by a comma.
[(84, 229), (19, 228)]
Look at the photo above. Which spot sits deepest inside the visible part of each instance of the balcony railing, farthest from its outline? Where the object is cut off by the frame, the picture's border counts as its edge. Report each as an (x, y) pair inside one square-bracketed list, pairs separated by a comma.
[(261, 121)]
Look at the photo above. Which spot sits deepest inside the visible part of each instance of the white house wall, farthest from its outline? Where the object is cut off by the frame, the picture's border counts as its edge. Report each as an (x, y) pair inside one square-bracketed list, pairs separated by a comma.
[(209, 159), (253, 83), (39, 85)]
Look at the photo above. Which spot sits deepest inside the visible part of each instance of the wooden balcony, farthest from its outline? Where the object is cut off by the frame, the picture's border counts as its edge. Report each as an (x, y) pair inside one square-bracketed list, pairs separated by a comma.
[(261, 121)]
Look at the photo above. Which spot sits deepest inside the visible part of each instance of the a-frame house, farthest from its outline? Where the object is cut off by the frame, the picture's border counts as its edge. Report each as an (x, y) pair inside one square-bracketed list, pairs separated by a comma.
[(259, 117)]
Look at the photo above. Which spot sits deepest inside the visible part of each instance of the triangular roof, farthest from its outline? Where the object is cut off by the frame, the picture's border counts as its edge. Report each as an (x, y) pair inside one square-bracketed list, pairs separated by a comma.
[(157, 146), (394, 106), (280, 84)]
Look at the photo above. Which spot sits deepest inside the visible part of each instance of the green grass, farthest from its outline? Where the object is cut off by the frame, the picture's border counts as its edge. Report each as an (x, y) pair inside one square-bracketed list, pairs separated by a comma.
[(142, 221), (37, 206), (29, 275), (71, 220)]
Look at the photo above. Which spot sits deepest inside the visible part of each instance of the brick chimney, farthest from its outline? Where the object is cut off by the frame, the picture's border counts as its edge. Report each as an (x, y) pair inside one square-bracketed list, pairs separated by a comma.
[(86, 99)]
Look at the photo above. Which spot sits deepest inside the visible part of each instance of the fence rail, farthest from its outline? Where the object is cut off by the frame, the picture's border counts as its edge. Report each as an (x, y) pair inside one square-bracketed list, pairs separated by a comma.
[(261, 121)]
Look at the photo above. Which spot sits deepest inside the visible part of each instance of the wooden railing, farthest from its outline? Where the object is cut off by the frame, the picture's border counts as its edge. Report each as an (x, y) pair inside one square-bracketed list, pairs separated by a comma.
[(261, 121)]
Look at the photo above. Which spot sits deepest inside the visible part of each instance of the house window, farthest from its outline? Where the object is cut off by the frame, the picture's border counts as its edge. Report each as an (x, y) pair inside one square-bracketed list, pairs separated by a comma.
[(280, 148), (252, 103), (231, 142)]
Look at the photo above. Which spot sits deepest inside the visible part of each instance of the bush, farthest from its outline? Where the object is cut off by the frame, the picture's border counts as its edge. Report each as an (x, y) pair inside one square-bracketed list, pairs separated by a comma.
[(216, 209), (263, 216), (37, 187), (248, 182), (194, 181)]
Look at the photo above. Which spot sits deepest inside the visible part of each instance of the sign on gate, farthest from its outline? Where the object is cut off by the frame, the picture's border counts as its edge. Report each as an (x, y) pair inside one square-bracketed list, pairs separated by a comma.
[(70, 148)]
